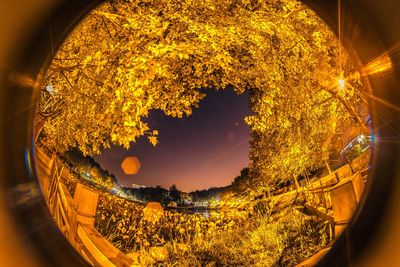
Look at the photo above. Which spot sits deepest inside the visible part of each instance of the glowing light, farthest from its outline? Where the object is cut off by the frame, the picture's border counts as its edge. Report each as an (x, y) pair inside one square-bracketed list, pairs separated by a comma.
[(22, 80), (153, 212), (372, 138), (379, 65), (130, 165), (341, 83)]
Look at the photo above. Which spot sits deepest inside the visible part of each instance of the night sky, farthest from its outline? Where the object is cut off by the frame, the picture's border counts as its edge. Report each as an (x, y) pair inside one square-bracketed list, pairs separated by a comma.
[(206, 149)]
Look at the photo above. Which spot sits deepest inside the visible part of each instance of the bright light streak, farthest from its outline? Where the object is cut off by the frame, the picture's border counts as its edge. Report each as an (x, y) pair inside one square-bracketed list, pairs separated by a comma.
[(381, 101), (381, 64)]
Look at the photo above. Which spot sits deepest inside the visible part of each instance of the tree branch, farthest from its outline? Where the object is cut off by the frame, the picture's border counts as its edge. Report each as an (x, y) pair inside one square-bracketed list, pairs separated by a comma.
[(349, 108)]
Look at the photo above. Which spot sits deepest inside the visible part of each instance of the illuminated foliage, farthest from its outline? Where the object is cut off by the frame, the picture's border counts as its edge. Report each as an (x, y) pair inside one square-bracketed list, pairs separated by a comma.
[(129, 57)]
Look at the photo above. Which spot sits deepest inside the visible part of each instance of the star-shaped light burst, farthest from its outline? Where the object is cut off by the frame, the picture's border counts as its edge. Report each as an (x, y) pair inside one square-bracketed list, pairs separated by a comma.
[(341, 83)]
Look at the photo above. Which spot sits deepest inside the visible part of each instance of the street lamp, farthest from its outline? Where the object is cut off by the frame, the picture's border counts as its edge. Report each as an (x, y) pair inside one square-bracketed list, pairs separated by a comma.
[(341, 83)]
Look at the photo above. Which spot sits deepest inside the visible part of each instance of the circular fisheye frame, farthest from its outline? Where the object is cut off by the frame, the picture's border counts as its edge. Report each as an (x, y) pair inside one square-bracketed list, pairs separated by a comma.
[(41, 215)]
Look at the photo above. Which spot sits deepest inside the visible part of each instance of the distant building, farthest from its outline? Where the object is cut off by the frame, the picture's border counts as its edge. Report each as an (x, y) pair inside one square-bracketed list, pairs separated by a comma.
[(187, 199), (201, 203), (356, 146), (137, 186)]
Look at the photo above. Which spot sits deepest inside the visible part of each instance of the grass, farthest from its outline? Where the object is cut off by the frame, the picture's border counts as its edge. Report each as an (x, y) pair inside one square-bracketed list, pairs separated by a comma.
[(283, 240)]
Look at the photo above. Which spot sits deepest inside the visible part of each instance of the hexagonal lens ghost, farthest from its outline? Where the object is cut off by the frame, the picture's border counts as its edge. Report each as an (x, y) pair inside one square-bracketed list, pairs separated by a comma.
[(130, 165)]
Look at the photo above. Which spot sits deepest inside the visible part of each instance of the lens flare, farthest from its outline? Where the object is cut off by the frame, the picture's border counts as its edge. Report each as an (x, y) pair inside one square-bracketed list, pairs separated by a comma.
[(341, 83), (379, 65)]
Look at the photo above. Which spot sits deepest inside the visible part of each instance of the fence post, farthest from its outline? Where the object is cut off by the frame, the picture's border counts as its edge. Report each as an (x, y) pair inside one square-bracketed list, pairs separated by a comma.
[(84, 209), (345, 197)]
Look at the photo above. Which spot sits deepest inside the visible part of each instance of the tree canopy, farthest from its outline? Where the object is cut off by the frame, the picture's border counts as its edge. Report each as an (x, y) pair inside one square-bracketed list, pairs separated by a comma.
[(132, 56)]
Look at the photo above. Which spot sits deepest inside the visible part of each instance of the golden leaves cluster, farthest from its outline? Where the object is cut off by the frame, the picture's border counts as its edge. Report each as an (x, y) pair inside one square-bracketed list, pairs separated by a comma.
[(130, 57)]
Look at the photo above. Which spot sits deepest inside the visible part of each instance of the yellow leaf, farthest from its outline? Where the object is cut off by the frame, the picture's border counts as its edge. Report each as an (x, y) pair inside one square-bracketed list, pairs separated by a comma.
[(153, 140)]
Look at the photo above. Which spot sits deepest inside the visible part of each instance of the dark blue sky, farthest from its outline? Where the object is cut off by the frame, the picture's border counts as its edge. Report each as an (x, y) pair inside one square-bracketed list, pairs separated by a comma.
[(207, 149)]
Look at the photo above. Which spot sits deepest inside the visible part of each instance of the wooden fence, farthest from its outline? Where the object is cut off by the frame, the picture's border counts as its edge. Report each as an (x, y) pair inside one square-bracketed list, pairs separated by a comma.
[(75, 215), (335, 198)]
